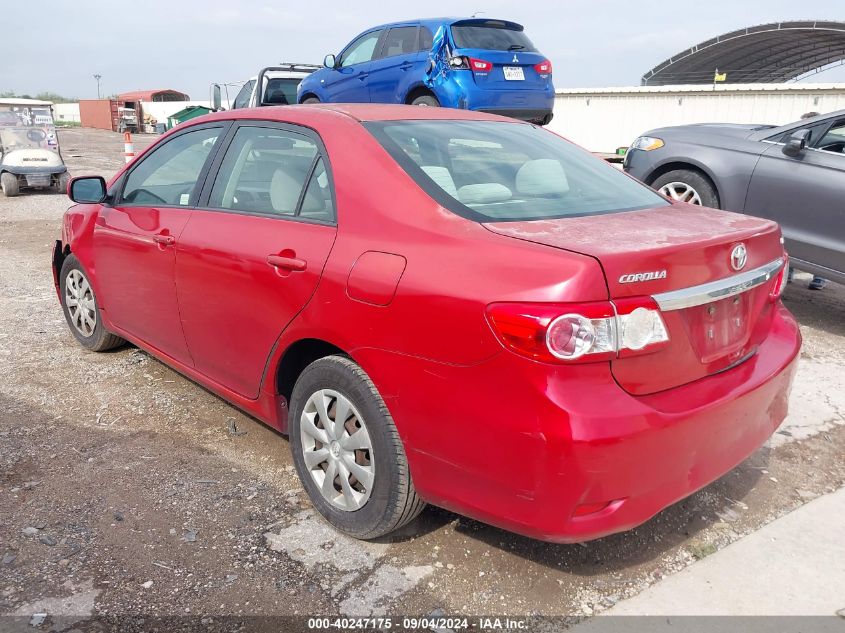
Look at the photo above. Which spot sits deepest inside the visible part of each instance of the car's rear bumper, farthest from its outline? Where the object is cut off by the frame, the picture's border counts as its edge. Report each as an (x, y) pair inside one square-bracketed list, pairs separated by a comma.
[(528, 104), (527, 446)]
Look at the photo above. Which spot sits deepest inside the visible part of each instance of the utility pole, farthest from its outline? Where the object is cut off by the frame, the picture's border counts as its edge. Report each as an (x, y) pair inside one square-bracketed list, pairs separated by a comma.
[(98, 77)]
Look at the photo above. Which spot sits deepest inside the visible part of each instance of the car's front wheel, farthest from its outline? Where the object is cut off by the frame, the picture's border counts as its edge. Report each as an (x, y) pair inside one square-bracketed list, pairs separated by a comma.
[(689, 186), (81, 310), (347, 450), (310, 100)]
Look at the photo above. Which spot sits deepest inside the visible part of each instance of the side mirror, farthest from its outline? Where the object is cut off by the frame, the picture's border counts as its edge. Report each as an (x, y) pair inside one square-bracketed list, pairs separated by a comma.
[(796, 143), (330, 61), (87, 189), (216, 99)]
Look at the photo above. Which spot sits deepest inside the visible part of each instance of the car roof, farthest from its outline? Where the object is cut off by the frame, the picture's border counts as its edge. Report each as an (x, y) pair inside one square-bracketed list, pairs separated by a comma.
[(359, 111), (441, 21)]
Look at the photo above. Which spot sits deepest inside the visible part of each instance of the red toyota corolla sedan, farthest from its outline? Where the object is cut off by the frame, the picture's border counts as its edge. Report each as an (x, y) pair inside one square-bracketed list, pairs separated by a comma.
[(441, 306)]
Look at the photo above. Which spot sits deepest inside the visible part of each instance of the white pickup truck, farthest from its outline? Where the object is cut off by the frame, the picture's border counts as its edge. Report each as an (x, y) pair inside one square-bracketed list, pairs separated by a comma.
[(278, 85)]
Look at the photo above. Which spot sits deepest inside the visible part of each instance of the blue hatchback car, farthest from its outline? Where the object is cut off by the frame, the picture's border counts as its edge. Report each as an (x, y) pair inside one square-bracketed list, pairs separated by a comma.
[(468, 63)]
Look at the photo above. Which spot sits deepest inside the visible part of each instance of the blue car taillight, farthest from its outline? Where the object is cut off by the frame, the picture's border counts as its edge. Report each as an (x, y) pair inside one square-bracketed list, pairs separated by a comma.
[(462, 62)]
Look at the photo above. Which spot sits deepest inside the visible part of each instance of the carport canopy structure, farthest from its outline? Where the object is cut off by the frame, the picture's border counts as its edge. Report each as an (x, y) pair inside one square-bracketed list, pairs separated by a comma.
[(768, 53)]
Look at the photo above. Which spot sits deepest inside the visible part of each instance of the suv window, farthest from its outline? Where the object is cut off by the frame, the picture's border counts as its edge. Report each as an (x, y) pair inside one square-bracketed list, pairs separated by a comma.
[(361, 50), (242, 100), (491, 36), (265, 171), (399, 41), (169, 174), (426, 38), (497, 171)]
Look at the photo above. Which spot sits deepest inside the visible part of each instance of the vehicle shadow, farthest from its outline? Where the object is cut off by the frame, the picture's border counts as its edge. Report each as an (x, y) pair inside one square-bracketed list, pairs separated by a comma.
[(674, 526), (819, 309)]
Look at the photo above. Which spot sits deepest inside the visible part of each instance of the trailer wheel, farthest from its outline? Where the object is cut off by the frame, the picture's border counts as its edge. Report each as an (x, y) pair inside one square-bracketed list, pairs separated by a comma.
[(9, 183)]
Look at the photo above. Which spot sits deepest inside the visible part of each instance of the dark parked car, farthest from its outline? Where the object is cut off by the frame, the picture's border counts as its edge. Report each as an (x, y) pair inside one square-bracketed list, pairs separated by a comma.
[(793, 174)]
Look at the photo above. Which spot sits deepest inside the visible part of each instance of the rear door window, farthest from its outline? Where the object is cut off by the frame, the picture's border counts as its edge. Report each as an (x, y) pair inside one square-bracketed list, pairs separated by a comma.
[(491, 36), (399, 41), (168, 175), (266, 170)]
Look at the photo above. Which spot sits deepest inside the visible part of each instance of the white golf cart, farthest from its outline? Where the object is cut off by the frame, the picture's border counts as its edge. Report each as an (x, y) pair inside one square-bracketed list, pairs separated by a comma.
[(29, 147)]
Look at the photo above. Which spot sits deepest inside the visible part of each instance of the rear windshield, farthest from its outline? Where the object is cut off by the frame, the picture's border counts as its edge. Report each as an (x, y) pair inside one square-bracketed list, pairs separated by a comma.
[(492, 38), (281, 91), (500, 171)]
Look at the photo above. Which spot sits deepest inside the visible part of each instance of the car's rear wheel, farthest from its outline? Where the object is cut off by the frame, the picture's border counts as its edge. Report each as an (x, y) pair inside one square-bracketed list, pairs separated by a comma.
[(61, 182), (9, 184), (686, 185), (81, 310), (426, 100), (310, 100), (347, 450)]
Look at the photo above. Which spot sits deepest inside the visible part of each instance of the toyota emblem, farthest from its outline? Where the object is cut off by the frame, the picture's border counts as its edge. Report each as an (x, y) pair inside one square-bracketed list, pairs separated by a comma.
[(739, 256)]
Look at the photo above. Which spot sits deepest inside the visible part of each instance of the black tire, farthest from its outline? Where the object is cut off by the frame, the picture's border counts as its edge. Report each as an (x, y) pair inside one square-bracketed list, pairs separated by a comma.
[(61, 183), (700, 183), (308, 100), (393, 501), (9, 184), (426, 100), (100, 339)]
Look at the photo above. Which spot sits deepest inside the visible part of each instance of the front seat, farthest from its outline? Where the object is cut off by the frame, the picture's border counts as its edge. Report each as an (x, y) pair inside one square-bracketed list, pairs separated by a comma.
[(276, 97)]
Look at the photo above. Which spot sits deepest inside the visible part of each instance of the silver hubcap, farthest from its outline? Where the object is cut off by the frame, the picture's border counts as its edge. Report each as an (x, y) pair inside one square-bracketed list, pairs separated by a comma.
[(337, 450), (79, 299), (681, 191)]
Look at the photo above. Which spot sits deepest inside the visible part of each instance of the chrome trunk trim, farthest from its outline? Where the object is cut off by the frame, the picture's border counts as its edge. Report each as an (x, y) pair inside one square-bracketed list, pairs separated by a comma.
[(716, 290)]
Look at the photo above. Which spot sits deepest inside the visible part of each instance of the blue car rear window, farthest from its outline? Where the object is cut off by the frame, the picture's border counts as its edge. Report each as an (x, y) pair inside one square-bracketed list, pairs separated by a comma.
[(492, 38), (500, 171)]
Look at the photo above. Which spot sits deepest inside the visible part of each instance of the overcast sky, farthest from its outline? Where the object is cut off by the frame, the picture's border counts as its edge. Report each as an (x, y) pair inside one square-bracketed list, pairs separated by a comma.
[(188, 44)]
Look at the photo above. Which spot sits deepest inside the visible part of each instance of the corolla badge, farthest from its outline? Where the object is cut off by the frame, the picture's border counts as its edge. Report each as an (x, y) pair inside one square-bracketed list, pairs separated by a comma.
[(739, 257), (651, 276)]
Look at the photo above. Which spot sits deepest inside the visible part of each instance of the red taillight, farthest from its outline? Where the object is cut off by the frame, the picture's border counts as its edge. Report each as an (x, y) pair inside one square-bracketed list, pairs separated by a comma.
[(780, 281), (543, 68), (582, 332), (480, 65)]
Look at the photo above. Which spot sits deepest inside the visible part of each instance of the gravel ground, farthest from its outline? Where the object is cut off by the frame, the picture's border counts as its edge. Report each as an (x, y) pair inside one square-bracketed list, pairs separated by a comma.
[(127, 489)]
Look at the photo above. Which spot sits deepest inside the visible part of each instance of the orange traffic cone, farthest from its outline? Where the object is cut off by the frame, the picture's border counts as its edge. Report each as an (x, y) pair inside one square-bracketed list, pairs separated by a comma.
[(128, 149)]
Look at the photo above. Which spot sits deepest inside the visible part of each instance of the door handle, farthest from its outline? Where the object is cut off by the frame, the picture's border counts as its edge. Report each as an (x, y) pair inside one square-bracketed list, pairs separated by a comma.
[(405, 65), (164, 240), (287, 263), (363, 76)]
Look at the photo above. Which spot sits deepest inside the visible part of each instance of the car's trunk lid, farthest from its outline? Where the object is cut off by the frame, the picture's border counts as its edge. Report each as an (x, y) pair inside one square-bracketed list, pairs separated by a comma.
[(658, 251), (512, 70)]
